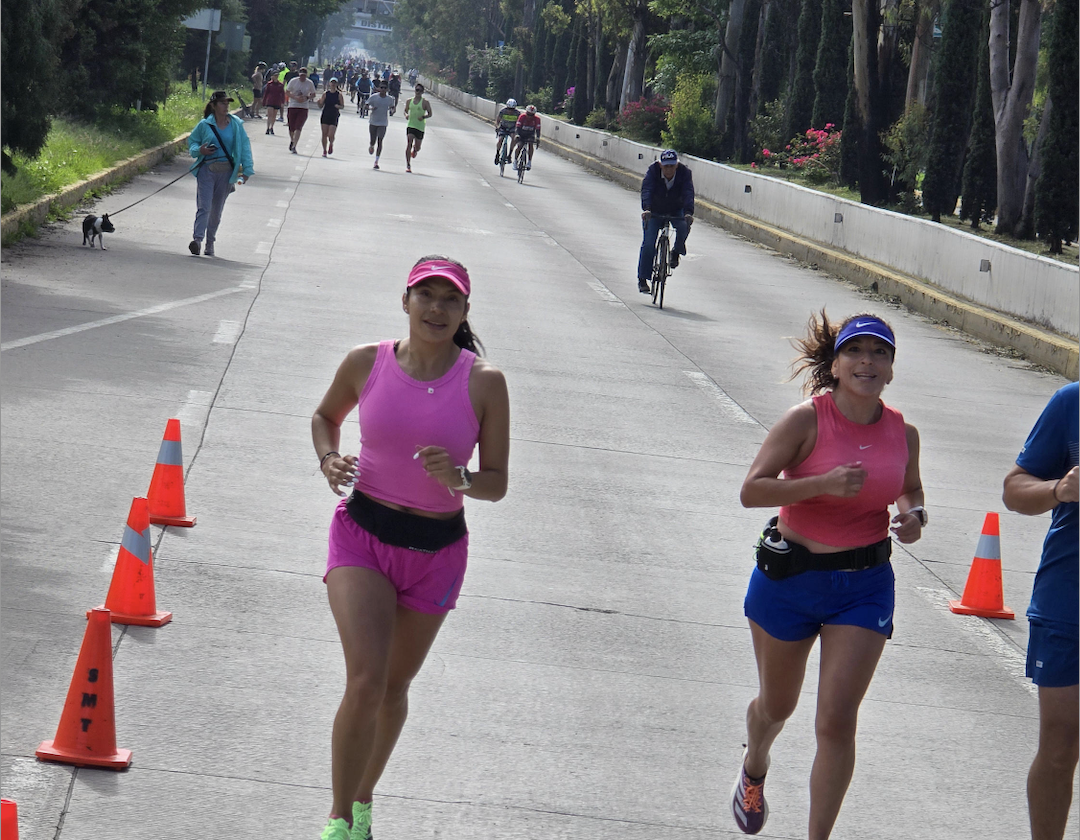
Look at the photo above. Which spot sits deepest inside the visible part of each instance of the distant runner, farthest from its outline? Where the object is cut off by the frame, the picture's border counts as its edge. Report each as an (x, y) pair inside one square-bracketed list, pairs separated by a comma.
[(417, 112), (380, 107)]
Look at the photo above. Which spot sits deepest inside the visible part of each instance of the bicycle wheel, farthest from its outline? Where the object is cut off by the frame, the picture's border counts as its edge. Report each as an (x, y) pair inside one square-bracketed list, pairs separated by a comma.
[(662, 267), (522, 157), (502, 157)]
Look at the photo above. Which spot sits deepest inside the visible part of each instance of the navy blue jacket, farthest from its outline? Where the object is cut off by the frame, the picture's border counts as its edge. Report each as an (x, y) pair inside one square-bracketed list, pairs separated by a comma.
[(655, 196)]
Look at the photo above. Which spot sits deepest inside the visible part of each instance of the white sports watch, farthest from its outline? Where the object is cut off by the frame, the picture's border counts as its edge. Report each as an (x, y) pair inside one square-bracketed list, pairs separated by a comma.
[(466, 478), (920, 512)]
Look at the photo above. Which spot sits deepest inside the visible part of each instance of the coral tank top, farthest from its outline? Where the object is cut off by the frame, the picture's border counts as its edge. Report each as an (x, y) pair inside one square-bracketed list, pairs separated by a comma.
[(398, 414), (882, 448)]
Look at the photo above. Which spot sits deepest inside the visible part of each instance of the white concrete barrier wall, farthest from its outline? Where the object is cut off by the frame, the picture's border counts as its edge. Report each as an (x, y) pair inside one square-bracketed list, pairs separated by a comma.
[(1017, 283)]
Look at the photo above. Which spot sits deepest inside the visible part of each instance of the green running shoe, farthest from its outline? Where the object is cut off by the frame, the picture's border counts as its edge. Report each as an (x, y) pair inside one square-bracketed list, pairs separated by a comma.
[(336, 829), (361, 821)]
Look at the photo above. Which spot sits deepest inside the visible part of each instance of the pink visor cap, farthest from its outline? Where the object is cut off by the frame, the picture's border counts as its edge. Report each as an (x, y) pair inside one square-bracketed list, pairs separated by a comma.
[(453, 272)]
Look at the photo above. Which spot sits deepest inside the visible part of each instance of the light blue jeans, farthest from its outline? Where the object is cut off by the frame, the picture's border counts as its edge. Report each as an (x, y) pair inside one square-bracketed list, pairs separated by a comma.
[(213, 189)]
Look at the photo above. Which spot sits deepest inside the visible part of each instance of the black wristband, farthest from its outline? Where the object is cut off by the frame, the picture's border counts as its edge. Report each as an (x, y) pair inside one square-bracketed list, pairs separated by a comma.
[(322, 460)]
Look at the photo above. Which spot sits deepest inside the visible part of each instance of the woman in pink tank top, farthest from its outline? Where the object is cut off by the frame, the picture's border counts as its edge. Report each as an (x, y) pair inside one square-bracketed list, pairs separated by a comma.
[(398, 544), (823, 569)]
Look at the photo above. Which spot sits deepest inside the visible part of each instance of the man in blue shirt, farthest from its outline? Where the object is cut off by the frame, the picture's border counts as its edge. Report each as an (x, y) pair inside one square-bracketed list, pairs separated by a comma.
[(666, 191), (1045, 478)]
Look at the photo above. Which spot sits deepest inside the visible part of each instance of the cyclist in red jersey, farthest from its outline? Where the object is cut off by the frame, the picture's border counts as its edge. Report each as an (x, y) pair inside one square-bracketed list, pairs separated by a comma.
[(527, 131)]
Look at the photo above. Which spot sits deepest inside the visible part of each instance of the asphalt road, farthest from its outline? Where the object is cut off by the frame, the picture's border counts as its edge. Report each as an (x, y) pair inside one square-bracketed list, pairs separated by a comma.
[(594, 679)]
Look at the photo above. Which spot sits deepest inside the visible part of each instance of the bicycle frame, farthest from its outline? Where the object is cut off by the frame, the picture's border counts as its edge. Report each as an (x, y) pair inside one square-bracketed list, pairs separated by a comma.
[(661, 255)]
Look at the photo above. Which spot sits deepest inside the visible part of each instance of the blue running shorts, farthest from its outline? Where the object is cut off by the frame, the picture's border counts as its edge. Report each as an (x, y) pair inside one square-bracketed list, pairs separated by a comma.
[(797, 607), (1053, 657)]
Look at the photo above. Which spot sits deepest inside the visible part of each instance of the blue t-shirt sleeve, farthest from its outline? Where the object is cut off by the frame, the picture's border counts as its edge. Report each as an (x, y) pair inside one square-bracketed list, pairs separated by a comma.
[(1046, 452)]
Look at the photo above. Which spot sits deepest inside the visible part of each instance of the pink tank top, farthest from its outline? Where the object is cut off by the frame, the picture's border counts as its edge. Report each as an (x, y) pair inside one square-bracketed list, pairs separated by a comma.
[(397, 414), (882, 448)]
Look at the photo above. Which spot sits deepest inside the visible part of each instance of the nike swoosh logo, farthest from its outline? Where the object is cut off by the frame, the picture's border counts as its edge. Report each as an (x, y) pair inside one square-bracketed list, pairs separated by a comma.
[(861, 324), (867, 446), (881, 622)]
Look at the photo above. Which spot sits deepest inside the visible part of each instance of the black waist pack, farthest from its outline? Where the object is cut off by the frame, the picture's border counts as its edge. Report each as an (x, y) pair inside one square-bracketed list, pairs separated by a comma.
[(405, 530), (778, 559)]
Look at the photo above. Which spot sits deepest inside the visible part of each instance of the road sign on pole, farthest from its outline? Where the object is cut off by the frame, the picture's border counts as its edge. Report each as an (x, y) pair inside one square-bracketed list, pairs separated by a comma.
[(210, 20)]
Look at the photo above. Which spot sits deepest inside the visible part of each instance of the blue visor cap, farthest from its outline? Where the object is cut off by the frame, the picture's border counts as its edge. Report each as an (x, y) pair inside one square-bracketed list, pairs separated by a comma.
[(865, 326)]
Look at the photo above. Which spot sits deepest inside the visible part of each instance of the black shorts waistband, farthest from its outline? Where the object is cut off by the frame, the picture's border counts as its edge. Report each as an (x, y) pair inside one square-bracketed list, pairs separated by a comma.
[(778, 559), (405, 530)]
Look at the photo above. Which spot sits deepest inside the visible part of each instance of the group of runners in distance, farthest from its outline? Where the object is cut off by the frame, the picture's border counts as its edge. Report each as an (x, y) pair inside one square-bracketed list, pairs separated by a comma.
[(834, 467), (286, 91)]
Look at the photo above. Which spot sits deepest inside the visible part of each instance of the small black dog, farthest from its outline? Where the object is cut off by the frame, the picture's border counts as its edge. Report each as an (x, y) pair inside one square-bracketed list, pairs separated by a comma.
[(96, 226)]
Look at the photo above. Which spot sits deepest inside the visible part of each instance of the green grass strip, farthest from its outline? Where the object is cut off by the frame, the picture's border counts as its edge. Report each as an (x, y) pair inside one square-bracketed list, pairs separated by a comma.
[(77, 150)]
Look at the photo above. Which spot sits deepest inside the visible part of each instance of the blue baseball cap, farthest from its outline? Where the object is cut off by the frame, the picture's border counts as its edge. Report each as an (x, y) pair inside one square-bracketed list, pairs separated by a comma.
[(867, 325), (669, 157)]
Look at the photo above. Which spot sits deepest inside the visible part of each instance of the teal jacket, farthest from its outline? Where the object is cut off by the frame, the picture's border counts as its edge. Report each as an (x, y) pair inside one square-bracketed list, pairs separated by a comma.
[(240, 151)]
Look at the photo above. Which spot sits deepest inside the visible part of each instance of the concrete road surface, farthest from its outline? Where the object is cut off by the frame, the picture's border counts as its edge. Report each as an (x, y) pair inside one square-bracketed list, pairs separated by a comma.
[(593, 681)]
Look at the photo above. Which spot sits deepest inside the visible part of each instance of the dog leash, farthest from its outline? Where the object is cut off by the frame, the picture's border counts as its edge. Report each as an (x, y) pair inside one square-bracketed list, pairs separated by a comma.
[(155, 192)]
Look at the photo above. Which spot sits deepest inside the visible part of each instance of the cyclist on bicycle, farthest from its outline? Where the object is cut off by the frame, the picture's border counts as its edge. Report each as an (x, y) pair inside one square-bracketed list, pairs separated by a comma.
[(505, 122), (527, 130), (363, 90), (667, 192)]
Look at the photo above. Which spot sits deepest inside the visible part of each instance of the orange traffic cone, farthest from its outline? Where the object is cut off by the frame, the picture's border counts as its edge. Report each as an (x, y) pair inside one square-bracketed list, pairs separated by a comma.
[(982, 594), (167, 484), (9, 820), (131, 597), (86, 736)]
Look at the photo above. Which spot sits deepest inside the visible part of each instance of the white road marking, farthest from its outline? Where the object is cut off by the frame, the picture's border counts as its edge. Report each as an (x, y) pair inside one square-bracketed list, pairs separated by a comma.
[(405, 217), (294, 177), (192, 415), (263, 248), (273, 222), (115, 319), (283, 204), (731, 408), (227, 332), (508, 204), (1011, 660), (603, 291), (476, 231)]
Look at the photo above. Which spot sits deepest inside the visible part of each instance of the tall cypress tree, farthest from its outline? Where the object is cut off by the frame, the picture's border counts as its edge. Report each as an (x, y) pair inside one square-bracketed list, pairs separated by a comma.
[(801, 102), (979, 187), (831, 66), (774, 48), (956, 64), (581, 74), (560, 62), (539, 55), (29, 32), (1056, 199), (741, 151), (849, 140)]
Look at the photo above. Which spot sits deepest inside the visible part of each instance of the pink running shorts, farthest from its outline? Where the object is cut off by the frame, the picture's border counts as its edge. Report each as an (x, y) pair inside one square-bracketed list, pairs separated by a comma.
[(425, 582)]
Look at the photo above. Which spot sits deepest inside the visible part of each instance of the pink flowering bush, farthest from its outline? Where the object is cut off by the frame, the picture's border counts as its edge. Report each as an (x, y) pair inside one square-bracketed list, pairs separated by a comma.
[(645, 119), (815, 155)]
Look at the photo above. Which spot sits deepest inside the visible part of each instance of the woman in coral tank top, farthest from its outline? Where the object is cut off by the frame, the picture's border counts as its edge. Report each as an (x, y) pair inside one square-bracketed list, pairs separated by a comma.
[(823, 567), (398, 544)]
